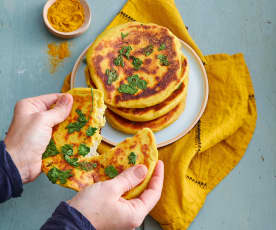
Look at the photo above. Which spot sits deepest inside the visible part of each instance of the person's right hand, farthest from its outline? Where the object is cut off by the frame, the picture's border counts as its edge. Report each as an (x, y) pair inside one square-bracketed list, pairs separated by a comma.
[(102, 203)]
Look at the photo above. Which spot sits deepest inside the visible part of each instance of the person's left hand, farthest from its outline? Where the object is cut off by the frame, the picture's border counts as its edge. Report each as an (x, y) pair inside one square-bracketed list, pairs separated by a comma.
[(31, 130)]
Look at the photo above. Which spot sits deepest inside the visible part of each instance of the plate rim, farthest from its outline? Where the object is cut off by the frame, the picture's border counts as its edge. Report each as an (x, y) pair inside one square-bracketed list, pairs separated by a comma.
[(196, 119)]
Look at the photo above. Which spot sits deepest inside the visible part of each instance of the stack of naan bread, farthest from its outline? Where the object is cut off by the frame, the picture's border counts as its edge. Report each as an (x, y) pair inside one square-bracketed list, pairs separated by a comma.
[(143, 74)]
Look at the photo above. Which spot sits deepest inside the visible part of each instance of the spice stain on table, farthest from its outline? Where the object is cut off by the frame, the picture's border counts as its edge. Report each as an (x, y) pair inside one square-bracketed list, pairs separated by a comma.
[(57, 53)]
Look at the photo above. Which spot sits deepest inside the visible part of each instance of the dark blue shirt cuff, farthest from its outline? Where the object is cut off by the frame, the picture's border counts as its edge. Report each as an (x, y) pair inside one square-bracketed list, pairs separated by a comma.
[(66, 217), (10, 179)]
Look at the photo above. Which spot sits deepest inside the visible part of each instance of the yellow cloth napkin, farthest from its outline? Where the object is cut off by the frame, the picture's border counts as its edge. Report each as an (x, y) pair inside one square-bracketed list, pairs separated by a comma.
[(196, 163)]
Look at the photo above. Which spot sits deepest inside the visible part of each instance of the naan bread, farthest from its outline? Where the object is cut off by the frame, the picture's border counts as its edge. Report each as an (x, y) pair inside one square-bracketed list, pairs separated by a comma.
[(82, 127), (139, 149), (132, 127), (156, 111), (147, 42)]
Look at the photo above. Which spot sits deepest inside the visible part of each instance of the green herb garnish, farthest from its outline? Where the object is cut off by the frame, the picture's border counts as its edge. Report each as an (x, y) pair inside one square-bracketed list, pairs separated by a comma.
[(83, 150), (162, 47), (92, 96), (82, 117), (128, 89), (112, 75), (71, 161), (119, 61), (67, 149), (51, 150), (125, 51), (76, 126), (55, 174), (132, 158), (136, 62), (111, 171), (163, 59), (91, 131), (142, 84), (87, 166), (124, 35), (148, 50), (134, 82)]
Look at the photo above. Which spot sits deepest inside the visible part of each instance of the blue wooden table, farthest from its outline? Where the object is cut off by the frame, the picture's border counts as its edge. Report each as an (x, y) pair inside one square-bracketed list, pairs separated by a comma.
[(246, 199)]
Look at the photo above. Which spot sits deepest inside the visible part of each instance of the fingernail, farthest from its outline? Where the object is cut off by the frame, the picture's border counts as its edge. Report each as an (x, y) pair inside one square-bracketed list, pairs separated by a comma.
[(140, 172), (63, 100)]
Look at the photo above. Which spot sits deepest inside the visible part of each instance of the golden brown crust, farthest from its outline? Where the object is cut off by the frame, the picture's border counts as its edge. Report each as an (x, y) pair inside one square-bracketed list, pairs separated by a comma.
[(93, 108), (142, 144), (155, 111), (161, 80), (155, 125)]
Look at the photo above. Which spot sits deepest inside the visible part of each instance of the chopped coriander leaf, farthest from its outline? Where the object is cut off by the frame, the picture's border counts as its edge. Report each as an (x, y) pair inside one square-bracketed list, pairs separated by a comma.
[(163, 59), (91, 131), (135, 81), (136, 62), (128, 89), (82, 117), (76, 126), (119, 61), (92, 97), (83, 150), (84, 60), (72, 127), (124, 35), (112, 75), (142, 84), (67, 149), (162, 47), (51, 150), (55, 174), (71, 161), (132, 80), (132, 158), (87, 166), (148, 50), (111, 171), (125, 51)]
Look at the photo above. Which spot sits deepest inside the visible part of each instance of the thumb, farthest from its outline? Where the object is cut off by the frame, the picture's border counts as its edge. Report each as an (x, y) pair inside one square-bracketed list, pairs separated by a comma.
[(128, 179), (60, 111)]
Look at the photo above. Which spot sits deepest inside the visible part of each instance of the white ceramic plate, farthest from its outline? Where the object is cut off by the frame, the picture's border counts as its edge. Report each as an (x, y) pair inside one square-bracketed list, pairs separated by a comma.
[(195, 103)]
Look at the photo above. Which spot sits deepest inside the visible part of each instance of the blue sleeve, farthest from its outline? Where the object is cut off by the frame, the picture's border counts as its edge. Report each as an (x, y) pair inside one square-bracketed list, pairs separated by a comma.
[(10, 179), (66, 217)]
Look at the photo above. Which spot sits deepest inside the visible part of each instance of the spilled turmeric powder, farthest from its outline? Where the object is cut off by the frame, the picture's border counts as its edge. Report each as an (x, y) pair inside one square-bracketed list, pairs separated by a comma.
[(56, 53), (66, 15)]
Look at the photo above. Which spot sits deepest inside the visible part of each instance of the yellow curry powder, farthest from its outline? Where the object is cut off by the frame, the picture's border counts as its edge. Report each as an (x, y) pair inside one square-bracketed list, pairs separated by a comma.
[(57, 52), (66, 15)]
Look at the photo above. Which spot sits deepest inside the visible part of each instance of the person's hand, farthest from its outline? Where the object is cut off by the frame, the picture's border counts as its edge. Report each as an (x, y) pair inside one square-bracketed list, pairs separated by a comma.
[(102, 203), (31, 130)]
